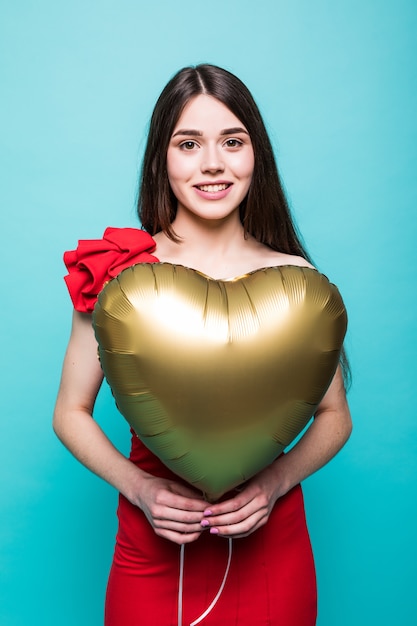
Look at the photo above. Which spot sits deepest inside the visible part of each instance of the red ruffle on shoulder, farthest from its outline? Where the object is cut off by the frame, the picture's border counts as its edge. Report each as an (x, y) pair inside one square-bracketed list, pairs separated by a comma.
[(95, 261)]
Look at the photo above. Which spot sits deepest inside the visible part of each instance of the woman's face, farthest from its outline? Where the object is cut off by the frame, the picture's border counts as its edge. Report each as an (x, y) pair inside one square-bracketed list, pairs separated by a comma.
[(210, 160)]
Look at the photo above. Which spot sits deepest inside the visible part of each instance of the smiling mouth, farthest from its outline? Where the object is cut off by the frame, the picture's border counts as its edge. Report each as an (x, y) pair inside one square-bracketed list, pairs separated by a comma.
[(213, 188)]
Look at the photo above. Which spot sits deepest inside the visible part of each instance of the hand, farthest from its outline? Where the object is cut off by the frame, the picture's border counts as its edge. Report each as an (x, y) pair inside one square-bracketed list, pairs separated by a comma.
[(247, 511), (173, 509)]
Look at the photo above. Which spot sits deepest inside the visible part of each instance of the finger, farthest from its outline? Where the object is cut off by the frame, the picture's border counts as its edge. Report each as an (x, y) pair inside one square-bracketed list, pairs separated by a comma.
[(234, 516), (176, 537), (242, 529), (256, 508), (174, 500), (231, 505), (228, 519), (176, 526), (163, 513)]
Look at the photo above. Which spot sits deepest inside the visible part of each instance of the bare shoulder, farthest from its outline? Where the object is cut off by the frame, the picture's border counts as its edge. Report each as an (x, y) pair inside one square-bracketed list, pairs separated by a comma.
[(271, 258)]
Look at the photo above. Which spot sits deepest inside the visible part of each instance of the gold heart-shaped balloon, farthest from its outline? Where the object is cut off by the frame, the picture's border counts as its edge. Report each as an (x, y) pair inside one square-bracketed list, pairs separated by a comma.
[(218, 377)]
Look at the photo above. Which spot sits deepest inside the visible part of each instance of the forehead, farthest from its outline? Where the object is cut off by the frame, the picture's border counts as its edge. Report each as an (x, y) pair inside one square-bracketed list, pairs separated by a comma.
[(205, 112)]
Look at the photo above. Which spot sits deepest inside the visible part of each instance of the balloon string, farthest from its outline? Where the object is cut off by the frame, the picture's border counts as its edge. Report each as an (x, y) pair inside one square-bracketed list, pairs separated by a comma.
[(217, 596), (180, 585)]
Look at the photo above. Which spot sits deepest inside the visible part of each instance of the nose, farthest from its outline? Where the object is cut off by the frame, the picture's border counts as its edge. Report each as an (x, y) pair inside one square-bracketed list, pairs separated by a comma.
[(212, 161)]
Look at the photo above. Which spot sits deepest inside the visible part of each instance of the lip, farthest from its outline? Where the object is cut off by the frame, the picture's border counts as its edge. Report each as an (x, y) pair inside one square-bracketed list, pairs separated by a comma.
[(213, 195), (212, 182)]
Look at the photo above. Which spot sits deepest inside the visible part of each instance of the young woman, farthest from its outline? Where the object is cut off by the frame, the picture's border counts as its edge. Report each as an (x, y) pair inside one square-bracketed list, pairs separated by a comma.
[(210, 199)]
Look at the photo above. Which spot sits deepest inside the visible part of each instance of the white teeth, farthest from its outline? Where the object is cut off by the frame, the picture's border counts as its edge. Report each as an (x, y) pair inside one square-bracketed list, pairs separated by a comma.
[(213, 188)]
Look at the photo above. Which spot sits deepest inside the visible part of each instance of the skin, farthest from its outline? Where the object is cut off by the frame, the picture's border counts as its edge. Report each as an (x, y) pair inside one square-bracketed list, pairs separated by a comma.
[(211, 241)]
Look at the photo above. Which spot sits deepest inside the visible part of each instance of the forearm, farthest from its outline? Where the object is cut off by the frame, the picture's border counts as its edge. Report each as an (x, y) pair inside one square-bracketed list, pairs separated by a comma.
[(324, 438), (87, 442)]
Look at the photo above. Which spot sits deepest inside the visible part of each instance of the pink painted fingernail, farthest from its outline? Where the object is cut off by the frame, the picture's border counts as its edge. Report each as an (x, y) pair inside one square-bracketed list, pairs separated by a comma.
[(205, 522), (208, 512), (214, 531)]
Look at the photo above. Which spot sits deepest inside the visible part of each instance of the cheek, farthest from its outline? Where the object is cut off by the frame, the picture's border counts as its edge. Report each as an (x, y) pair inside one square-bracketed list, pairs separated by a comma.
[(246, 164), (178, 167)]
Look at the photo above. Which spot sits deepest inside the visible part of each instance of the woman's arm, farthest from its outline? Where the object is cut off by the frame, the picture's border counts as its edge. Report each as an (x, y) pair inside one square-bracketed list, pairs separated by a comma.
[(174, 510), (251, 508)]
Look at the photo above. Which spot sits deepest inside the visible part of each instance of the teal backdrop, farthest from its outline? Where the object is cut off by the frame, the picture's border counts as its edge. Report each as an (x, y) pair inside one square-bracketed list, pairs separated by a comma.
[(336, 83)]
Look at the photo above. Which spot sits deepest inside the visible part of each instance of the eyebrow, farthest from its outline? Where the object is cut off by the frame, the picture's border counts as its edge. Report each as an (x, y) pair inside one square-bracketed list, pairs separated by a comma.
[(197, 133)]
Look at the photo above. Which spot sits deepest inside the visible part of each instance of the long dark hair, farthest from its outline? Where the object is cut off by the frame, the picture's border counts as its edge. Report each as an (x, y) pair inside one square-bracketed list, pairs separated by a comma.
[(264, 212)]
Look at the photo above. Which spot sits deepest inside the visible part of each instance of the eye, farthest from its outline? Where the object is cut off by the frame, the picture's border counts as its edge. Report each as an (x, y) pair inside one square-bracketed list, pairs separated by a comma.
[(233, 143), (188, 145)]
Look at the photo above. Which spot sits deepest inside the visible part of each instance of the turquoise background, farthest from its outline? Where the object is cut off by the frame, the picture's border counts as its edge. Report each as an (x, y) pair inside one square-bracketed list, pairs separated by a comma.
[(336, 82)]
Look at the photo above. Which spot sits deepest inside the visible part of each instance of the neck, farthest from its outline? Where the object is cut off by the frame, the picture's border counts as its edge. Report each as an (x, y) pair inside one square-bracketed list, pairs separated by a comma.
[(209, 236), (216, 249)]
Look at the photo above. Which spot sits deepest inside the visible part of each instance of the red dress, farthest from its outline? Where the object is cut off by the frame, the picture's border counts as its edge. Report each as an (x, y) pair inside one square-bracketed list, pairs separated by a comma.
[(271, 580)]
